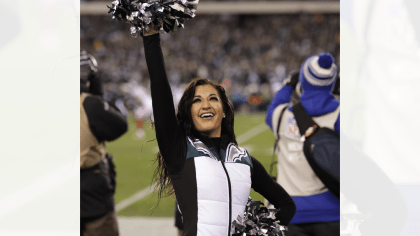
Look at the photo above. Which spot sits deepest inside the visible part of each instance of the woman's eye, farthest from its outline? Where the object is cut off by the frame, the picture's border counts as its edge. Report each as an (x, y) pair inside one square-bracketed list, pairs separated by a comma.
[(196, 100), (214, 98)]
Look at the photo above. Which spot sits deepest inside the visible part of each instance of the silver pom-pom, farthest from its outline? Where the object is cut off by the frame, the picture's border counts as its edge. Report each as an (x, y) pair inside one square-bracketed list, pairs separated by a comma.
[(258, 221), (168, 15)]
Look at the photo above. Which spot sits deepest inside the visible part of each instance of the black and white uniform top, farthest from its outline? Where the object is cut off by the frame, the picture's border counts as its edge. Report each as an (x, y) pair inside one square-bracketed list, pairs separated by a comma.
[(212, 177)]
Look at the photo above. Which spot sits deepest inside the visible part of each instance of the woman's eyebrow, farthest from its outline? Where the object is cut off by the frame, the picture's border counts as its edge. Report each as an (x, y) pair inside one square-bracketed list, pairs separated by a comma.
[(213, 94)]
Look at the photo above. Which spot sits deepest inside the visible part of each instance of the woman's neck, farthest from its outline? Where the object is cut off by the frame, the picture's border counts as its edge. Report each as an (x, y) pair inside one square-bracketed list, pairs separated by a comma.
[(216, 142)]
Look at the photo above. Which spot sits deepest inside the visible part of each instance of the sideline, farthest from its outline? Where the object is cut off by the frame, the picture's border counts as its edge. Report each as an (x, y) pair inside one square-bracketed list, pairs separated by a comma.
[(135, 226), (144, 192), (137, 196)]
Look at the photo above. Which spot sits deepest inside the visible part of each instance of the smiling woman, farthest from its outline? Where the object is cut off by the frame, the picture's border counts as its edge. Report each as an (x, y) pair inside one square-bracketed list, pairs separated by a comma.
[(199, 159), (207, 111), (207, 107)]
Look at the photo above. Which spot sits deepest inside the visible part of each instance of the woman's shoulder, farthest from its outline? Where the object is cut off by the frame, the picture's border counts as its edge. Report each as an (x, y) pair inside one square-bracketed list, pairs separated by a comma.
[(238, 154)]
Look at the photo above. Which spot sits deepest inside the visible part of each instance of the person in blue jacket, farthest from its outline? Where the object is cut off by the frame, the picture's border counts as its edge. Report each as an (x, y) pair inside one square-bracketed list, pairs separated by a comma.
[(317, 209)]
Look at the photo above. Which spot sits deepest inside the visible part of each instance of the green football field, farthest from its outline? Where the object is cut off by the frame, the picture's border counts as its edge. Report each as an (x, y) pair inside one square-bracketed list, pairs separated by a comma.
[(134, 163)]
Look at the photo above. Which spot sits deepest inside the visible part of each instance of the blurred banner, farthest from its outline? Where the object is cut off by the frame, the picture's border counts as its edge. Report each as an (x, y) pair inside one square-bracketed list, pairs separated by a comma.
[(232, 7)]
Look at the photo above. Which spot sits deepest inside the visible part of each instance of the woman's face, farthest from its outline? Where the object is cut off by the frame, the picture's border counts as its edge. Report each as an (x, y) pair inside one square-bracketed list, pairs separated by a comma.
[(207, 111)]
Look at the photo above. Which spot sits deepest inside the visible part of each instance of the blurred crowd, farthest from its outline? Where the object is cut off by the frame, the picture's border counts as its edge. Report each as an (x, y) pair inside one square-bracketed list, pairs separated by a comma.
[(249, 54)]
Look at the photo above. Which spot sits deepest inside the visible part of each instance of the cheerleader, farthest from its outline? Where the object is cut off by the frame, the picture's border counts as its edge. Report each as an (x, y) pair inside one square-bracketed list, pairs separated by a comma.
[(199, 159)]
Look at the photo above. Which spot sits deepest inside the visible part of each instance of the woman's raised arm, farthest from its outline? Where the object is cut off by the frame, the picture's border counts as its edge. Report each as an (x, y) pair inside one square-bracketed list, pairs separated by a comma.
[(162, 100)]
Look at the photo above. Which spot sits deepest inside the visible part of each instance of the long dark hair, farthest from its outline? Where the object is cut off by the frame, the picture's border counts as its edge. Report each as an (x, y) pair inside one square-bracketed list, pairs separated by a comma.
[(161, 174)]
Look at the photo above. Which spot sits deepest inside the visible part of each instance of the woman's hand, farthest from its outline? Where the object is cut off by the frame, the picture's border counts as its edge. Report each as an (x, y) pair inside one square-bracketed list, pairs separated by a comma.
[(150, 29)]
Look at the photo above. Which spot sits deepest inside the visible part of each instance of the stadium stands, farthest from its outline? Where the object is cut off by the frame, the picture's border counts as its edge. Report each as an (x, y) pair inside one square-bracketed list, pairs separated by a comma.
[(253, 52)]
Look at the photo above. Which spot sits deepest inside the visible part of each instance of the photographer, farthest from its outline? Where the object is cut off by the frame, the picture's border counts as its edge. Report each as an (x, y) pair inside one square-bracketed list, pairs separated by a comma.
[(99, 122)]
